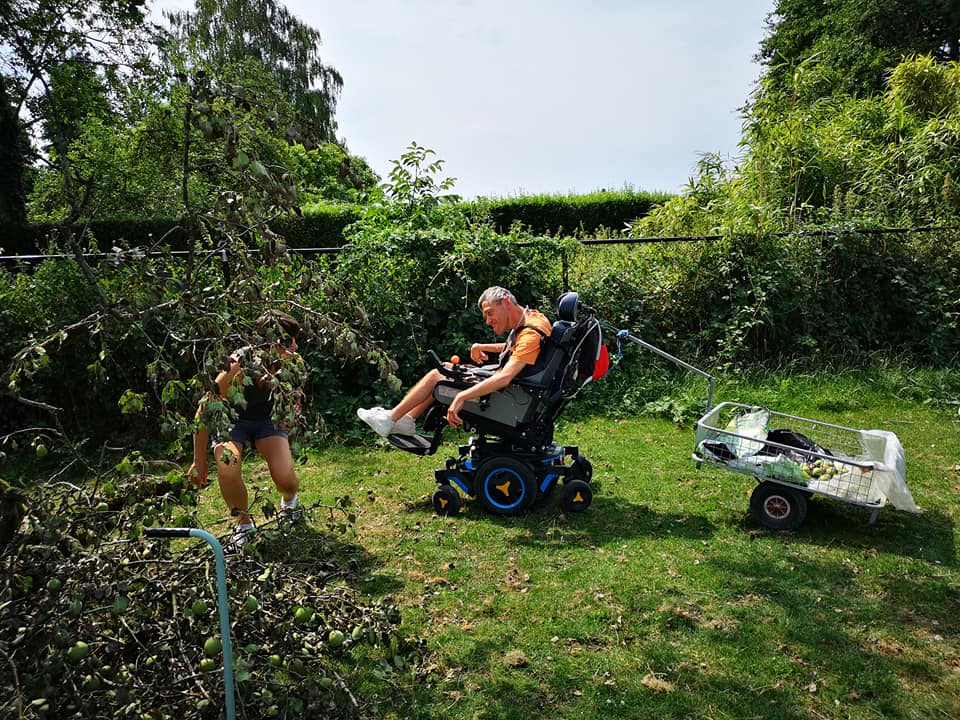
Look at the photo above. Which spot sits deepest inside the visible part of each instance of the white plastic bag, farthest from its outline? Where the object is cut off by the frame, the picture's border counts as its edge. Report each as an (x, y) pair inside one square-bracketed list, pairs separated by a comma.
[(754, 424), (883, 448)]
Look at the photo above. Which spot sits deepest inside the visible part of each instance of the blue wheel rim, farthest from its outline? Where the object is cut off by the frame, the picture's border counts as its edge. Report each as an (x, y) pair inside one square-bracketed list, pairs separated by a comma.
[(503, 476)]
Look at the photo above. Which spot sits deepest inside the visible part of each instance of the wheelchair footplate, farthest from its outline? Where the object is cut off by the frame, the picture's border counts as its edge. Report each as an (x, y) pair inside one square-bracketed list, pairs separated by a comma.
[(416, 444), (421, 443)]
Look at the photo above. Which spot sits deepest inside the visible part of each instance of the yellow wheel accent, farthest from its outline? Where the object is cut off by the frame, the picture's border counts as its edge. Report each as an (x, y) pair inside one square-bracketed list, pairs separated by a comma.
[(576, 496), (446, 500), (505, 485)]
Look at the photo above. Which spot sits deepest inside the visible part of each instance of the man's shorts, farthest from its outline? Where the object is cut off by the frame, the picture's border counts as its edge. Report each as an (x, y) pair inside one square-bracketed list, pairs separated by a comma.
[(249, 431)]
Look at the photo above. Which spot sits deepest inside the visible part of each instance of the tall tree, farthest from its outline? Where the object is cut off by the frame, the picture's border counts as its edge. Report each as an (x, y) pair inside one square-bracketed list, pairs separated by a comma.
[(62, 59), (12, 147), (849, 46), (220, 33)]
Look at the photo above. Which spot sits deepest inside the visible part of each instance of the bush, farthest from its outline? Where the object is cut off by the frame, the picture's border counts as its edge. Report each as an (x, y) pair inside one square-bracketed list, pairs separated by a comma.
[(730, 302), (323, 224), (600, 212)]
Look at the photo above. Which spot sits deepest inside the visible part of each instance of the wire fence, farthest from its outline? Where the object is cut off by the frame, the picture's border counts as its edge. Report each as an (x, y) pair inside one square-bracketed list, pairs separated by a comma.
[(29, 259)]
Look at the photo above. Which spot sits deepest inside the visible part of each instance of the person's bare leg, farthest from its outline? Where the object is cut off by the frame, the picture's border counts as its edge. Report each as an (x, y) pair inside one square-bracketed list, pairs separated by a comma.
[(276, 451), (229, 457), (418, 398), (421, 408)]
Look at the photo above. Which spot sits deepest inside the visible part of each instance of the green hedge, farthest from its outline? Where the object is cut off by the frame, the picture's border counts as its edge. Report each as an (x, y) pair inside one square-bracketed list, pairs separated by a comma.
[(322, 225), (33, 239), (574, 214)]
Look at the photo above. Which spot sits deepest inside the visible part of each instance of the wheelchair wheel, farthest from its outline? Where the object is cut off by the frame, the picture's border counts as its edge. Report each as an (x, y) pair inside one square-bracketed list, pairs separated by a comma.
[(576, 496), (506, 486), (582, 469), (777, 507), (446, 500)]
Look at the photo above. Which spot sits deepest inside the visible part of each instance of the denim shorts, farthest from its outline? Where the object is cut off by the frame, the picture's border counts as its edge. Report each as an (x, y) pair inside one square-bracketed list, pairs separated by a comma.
[(253, 430)]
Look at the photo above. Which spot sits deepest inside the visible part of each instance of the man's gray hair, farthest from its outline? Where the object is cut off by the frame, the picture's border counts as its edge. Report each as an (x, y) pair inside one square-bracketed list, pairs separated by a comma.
[(495, 295)]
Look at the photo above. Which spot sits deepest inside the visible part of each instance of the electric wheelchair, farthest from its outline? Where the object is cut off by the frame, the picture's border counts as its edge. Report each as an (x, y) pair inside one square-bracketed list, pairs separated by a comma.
[(513, 459)]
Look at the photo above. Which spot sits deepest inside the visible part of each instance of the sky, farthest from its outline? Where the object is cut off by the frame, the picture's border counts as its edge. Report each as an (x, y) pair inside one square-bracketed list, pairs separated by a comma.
[(524, 97)]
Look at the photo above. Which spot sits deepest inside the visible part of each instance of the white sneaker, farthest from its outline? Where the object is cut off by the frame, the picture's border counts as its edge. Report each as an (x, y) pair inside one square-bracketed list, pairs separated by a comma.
[(238, 538), (405, 426), (378, 418), (291, 512)]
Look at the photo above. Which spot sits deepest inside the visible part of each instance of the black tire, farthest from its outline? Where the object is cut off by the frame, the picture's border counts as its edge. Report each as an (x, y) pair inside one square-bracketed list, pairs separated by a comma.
[(505, 486), (576, 496), (777, 507), (582, 469), (446, 500)]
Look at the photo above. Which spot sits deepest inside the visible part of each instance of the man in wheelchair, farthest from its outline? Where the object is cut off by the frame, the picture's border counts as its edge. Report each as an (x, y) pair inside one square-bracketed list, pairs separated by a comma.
[(517, 356), (512, 405)]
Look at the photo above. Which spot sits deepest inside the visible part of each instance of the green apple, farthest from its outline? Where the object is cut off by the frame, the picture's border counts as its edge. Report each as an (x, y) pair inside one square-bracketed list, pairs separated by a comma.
[(78, 652), (212, 647), (76, 607), (251, 604)]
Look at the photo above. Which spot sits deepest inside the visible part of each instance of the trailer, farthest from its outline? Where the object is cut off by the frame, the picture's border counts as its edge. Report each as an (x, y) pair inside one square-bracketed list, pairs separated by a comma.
[(794, 458)]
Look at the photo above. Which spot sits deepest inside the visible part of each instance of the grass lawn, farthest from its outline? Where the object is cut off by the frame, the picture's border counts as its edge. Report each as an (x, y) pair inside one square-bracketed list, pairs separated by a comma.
[(665, 599)]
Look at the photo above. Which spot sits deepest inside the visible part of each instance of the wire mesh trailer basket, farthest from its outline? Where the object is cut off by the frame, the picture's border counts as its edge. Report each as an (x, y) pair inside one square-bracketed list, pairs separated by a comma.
[(793, 458)]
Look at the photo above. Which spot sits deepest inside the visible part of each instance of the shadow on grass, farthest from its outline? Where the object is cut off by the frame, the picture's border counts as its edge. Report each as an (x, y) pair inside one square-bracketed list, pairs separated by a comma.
[(555, 688), (929, 536), (779, 641), (315, 546), (607, 520), (865, 639)]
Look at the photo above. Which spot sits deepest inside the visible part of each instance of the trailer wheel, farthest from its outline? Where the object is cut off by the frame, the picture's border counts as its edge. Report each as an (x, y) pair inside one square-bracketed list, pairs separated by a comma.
[(777, 507)]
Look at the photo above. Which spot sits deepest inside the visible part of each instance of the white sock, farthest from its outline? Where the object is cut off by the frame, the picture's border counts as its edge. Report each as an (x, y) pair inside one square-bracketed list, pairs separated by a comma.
[(245, 527), (292, 503)]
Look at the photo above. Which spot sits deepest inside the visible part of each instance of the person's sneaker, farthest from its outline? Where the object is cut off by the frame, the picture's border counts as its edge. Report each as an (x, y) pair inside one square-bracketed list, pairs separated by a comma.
[(291, 513), (237, 539), (405, 426), (378, 418)]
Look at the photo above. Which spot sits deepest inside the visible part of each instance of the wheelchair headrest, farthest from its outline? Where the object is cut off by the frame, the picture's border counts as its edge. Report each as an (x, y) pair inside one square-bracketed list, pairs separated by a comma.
[(567, 305)]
